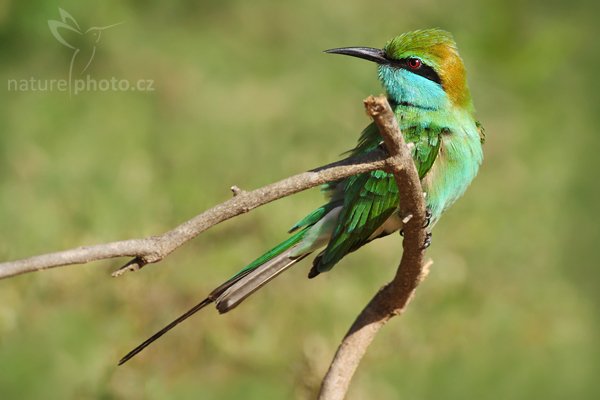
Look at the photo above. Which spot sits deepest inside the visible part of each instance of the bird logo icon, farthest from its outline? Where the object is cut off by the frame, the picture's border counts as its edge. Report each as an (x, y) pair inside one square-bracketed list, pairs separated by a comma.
[(83, 42)]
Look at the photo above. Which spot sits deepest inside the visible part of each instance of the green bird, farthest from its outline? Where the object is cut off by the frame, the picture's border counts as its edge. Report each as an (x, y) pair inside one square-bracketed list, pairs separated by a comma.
[(425, 81)]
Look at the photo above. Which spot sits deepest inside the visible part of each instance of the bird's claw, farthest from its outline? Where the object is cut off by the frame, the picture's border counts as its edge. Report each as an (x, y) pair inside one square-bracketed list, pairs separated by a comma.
[(428, 216), (427, 242)]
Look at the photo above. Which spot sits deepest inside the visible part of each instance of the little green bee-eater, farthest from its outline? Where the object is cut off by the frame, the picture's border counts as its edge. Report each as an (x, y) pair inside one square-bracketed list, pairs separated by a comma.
[(425, 81)]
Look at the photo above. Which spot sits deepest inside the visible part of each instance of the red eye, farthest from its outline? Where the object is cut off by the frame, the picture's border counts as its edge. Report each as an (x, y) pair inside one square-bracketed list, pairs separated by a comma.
[(414, 63)]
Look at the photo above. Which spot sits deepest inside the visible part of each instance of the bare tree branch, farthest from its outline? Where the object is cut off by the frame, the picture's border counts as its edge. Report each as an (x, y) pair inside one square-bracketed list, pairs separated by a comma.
[(393, 298), (155, 248)]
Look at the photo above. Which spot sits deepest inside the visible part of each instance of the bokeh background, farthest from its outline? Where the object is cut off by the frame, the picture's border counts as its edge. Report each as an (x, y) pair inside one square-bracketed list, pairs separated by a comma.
[(243, 95)]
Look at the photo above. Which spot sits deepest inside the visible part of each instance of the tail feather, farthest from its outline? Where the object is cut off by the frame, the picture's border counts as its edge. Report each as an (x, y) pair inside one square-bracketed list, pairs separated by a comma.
[(164, 330), (239, 291), (235, 290)]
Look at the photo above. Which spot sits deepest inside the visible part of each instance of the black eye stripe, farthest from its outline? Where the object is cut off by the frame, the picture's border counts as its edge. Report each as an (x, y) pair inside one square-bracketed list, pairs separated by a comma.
[(425, 70)]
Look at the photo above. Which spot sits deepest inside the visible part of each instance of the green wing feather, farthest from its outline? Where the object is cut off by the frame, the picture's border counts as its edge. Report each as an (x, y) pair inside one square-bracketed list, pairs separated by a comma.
[(370, 199), (314, 216), (275, 251)]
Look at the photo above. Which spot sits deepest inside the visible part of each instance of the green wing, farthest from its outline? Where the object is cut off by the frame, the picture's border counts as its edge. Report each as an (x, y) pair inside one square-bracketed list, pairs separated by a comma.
[(369, 199)]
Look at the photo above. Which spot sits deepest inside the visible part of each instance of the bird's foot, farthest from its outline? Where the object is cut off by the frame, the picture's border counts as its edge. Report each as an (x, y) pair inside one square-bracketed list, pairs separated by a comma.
[(427, 242), (428, 216)]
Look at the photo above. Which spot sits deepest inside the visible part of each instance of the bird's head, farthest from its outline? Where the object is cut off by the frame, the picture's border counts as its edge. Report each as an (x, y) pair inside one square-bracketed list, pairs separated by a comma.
[(422, 68)]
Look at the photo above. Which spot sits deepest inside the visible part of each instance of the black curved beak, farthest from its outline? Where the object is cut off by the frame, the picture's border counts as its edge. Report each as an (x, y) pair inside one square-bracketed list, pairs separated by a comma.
[(366, 53)]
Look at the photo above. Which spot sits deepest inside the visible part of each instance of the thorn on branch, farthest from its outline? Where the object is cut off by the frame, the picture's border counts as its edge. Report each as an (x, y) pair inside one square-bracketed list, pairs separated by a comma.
[(134, 265), (236, 190), (425, 270)]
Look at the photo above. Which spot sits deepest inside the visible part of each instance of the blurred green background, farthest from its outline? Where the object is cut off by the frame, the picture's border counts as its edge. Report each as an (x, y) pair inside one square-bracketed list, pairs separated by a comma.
[(243, 95)]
